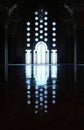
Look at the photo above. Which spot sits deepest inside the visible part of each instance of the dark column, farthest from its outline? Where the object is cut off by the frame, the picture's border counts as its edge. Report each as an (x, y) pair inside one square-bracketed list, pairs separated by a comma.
[(49, 56), (6, 52), (71, 11), (10, 10), (75, 51)]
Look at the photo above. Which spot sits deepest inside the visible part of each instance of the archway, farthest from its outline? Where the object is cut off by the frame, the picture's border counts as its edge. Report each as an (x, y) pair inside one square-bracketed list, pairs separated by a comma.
[(42, 48), (41, 53)]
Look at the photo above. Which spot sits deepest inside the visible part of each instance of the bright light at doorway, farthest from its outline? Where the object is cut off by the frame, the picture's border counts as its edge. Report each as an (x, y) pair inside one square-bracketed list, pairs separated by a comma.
[(41, 53)]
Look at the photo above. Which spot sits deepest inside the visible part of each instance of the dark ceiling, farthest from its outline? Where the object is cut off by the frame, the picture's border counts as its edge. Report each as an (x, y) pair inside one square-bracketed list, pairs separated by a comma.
[(56, 7)]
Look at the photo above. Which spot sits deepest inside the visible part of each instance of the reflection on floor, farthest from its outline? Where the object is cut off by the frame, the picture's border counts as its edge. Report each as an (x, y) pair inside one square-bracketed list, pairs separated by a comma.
[(42, 97), (39, 77)]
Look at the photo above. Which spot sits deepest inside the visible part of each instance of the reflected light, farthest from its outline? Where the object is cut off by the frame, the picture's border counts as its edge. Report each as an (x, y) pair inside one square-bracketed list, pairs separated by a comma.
[(54, 71), (40, 98), (41, 74), (41, 64)]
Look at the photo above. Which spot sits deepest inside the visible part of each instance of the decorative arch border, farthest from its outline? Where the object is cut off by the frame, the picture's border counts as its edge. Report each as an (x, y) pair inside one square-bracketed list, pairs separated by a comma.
[(41, 42)]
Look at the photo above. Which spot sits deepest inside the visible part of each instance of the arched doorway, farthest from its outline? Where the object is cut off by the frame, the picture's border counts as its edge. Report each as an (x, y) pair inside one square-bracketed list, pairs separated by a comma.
[(41, 48), (41, 53)]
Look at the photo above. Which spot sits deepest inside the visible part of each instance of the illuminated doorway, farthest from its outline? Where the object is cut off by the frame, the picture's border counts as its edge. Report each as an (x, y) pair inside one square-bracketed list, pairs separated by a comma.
[(41, 46), (41, 53)]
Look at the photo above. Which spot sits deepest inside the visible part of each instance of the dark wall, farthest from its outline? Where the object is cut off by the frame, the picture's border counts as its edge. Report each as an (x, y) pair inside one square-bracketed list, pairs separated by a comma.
[(2, 40), (80, 40), (16, 42), (65, 36)]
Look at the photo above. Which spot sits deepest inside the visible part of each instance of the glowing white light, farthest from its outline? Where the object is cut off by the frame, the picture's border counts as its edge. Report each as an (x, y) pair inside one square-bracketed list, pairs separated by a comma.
[(36, 13), (36, 23), (28, 39), (53, 92), (53, 28), (41, 31), (53, 96), (45, 101), (36, 34), (41, 21), (28, 34), (45, 34), (28, 96), (45, 106), (45, 18), (45, 92), (45, 28), (41, 90), (41, 99), (41, 26), (28, 87), (41, 51), (45, 39), (54, 86), (53, 101), (54, 34), (54, 39), (45, 96), (45, 23), (28, 23), (54, 23), (45, 12), (41, 104), (41, 94), (54, 45), (36, 18), (41, 37), (28, 45), (28, 29), (28, 102), (36, 39), (36, 96), (36, 106), (54, 60), (54, 67), (36, 87), (36, 102), (28, 82), (46, 111), (28, 92), (36, 29), (41, 73), (36, 92), (27, 68)]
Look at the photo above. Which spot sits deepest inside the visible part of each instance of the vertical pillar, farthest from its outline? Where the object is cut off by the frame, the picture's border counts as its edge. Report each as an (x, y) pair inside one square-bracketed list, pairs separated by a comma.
[(6, 52), (32, 59), (49, 56), (75, 50), (46, 57), (36, 57), (71, 11)]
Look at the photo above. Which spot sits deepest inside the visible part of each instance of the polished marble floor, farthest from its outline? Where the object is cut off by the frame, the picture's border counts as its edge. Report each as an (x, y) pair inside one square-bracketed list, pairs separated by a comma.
[(42, 97)]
